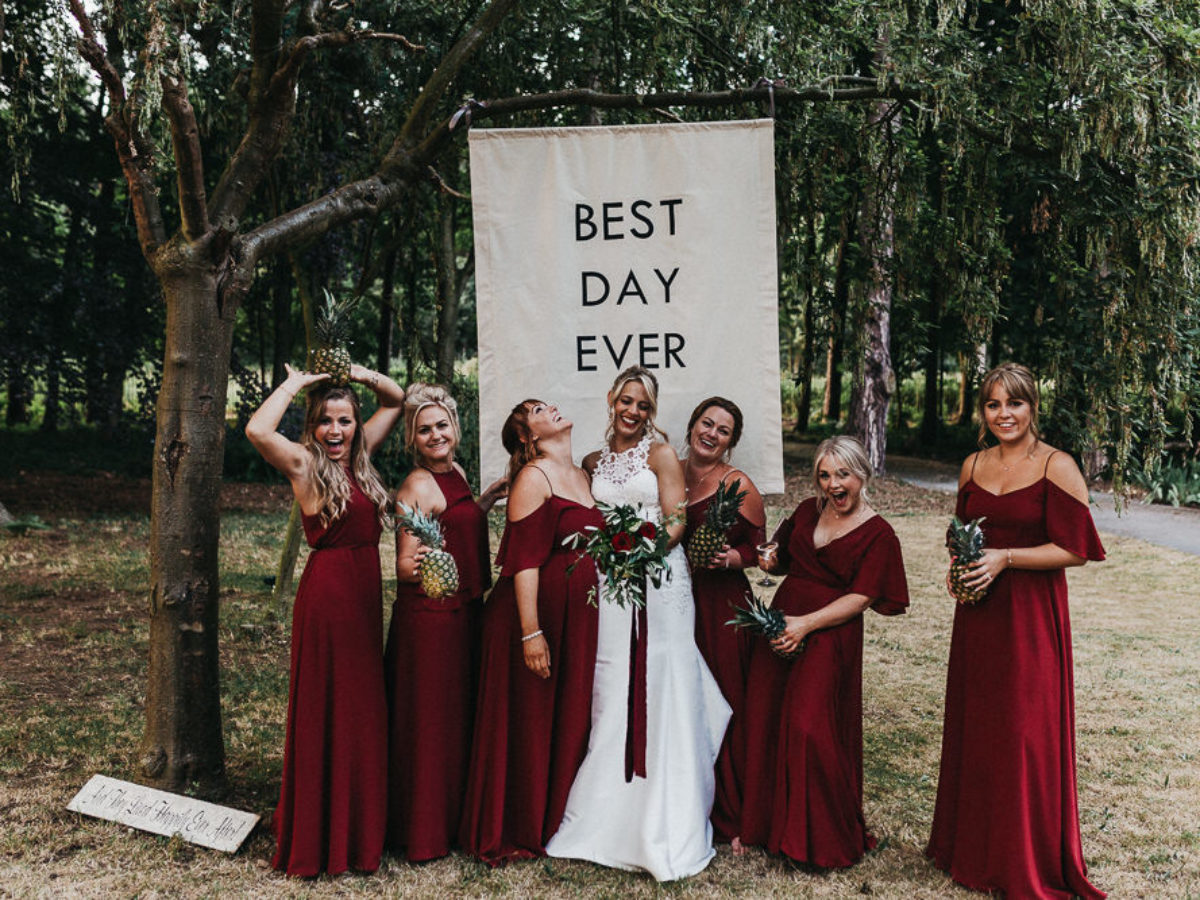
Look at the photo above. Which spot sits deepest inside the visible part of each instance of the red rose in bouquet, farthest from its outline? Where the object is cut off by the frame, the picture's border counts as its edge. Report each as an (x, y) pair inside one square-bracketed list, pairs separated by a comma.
[(629, 550)]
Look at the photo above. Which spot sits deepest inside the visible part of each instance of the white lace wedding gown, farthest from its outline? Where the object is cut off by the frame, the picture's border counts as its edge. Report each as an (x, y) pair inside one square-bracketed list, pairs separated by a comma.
[(659, 823)]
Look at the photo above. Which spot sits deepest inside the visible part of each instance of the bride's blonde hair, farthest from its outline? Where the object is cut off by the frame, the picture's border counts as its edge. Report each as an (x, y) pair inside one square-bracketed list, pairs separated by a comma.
[(646, 379), (329, 477)]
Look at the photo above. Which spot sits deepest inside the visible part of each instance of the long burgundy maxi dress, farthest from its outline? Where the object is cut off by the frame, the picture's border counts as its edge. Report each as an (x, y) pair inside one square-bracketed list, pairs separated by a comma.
[(431, 666), (804, 769), (1007, 816), (727, 652), (531, 734), (333, 802)]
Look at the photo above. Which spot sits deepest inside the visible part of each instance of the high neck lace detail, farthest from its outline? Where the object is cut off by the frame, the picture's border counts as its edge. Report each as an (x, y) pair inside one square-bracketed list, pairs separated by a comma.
[(618, 468)]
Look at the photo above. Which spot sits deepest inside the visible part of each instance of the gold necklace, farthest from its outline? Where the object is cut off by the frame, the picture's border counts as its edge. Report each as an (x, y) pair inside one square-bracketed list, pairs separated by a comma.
[(690, 490), (850, 518)]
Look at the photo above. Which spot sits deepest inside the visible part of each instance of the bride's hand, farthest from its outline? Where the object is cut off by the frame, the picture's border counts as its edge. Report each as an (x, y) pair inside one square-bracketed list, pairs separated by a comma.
[(537, 656)]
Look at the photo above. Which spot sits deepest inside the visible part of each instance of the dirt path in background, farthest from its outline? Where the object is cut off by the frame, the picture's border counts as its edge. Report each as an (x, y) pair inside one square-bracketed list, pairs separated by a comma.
[(1165, 526)]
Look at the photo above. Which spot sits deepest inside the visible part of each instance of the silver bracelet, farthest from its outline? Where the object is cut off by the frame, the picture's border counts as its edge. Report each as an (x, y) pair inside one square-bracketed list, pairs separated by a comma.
[(531, 636), (1010, 557)]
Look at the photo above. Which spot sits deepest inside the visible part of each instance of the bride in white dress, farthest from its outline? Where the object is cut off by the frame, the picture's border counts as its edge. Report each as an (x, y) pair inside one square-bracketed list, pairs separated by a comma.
[(658, 822)]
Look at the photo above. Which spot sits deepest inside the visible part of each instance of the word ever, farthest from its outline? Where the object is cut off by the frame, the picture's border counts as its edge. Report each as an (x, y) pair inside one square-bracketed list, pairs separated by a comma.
[(648, 353), (160, 812)]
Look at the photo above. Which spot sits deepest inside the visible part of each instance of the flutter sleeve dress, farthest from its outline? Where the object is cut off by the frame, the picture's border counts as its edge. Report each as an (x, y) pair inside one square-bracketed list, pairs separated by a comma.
[(332, 808), (727, 652), (431, 666), (1007, 815), (804, 769), (531, 733)]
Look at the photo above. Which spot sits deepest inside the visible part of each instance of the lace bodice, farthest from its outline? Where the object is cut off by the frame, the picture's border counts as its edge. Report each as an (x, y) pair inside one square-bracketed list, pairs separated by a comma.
[(626, 477)]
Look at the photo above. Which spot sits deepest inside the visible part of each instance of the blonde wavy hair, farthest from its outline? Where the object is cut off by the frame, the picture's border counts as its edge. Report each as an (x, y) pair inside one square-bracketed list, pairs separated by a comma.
[(329, 478), (848, 451), (419, 396), (646, 379)]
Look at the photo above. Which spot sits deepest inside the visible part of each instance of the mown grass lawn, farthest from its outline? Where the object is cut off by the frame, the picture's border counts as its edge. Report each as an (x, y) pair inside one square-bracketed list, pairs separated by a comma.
[(72, 667)]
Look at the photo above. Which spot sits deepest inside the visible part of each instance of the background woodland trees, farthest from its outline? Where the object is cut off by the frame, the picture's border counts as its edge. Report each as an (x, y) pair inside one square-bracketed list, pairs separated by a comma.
[(958, 183)]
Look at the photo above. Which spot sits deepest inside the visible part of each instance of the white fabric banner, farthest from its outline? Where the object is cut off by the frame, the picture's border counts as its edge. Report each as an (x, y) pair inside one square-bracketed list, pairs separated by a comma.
[(599, 248)]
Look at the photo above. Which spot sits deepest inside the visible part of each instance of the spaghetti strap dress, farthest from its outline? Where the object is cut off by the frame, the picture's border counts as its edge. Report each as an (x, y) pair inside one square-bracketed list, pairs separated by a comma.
[(431, 667), (804, 766), (531, 733), (727, 652), (1007, 815), (332, 808)]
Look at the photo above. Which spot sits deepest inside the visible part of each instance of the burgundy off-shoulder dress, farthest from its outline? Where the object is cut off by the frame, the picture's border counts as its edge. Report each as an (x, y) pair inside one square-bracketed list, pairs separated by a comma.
[(727, 652), (531, 733), (1007, 816)]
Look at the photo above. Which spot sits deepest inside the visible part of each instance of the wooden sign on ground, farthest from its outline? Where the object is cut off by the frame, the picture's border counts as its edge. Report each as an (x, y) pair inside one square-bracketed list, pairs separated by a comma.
[(160, 812)]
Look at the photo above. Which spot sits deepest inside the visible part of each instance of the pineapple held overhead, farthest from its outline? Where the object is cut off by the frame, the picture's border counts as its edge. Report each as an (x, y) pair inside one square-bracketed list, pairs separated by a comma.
[(709, 538), (330, 355), (439, 572), (966, 546)]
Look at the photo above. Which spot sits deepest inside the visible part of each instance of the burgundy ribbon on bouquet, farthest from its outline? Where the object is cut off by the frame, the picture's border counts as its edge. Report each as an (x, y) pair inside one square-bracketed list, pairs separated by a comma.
[(635, 722)]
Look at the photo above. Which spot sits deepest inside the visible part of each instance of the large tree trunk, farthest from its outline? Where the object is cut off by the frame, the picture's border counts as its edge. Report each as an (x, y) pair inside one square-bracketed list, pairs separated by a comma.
[(447, 275), (831, 408), (931, 402), (803, 377), (182, 745), (16, 412), (53, 390), (281, 320), (876, 382), (387, 313)]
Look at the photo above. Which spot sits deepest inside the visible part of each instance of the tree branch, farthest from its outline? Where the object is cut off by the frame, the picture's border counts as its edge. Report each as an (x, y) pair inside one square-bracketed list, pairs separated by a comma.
[(189, 161), (351, 202), (404, 169), (133, 150), (289, 72), (272, 105), (399, 162), (447, 70)]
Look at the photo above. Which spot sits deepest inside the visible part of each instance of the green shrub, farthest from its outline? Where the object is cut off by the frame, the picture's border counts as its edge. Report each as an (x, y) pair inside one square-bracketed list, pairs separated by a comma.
[(1176, 482)]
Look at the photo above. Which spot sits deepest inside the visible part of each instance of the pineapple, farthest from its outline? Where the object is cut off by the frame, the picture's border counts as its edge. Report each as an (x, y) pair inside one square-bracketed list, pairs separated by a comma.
[(331, 354), (966, 546), (766, 621), (708, 539), (439, 572)]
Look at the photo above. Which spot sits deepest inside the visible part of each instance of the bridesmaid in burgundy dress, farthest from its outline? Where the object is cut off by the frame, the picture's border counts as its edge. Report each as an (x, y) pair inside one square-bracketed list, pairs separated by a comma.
[(713, 431), (804, 770), (533, 715), (433, 645), (333, 801), (1007, 816)]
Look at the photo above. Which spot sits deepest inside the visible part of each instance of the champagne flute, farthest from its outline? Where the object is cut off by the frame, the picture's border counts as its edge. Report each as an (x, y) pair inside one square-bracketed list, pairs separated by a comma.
[(767, 553)]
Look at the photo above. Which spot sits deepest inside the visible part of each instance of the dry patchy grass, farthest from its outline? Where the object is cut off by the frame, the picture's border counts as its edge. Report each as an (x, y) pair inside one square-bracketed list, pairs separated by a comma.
[(72, 655)]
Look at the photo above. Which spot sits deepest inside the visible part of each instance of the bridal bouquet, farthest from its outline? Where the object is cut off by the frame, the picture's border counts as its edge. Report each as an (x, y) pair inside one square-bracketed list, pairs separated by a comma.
[(628, 549)]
